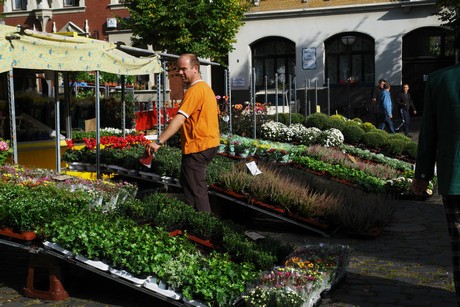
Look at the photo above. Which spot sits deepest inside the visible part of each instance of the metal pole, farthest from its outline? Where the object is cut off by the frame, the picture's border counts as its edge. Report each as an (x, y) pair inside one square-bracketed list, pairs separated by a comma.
[(316, 95), (276, 97), (228, 101), (283, 89), (68, 121), (163, 101), (289, 98), (12, 107), (253, 101), (158, 104), (266, 89), (295, 95), (98, 127), (57, 118), (309, 100), (123, 105), (306, 99), (328, 98)]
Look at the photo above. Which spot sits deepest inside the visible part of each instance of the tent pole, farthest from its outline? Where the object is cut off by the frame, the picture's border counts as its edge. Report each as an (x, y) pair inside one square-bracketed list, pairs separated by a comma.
[(158, 105), (12, 107), (163, 75), (123, 106), (98, 126), (57, 119), (68, 123)]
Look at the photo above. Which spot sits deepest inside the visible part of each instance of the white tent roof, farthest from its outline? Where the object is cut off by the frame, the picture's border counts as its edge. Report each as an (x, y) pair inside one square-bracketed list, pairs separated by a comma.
[(38, 50)]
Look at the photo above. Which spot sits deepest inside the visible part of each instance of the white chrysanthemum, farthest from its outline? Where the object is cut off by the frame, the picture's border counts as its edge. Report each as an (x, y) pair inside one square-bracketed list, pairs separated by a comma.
[(331, 137)]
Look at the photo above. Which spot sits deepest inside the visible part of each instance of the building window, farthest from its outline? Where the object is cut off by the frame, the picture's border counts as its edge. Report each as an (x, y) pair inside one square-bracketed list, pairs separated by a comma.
[(71, 2), (270, 56), (350, 58), (19, 5), (428, 42)]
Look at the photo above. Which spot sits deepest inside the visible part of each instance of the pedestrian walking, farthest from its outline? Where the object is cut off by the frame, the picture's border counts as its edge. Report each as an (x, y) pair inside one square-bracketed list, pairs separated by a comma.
[(385, 109), (375, 98), (405, 106)]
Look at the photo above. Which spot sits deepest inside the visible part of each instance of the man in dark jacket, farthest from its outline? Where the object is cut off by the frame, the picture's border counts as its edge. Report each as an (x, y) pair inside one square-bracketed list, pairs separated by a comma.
[(405, 104), (439, 143)]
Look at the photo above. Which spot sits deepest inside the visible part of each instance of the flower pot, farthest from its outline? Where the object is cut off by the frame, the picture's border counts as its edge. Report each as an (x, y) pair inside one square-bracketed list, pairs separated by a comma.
[(222, 148), (244, 154)]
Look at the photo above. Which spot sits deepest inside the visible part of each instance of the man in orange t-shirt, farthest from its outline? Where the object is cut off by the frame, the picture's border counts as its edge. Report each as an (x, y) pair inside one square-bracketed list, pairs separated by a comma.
[(197, 120)]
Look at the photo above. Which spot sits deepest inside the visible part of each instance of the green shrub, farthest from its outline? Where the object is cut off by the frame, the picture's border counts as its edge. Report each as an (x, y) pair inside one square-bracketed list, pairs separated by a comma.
[(410, 149), (339, 117), (352, 133), (317, 120), (399, 136), (394, 146), (337, 123), (374, 139), (357, 120), (367, 126), (296, 118)]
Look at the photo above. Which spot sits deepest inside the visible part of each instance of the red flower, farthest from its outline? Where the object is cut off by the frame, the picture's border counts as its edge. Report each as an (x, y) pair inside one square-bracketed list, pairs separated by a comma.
[(69, 143)]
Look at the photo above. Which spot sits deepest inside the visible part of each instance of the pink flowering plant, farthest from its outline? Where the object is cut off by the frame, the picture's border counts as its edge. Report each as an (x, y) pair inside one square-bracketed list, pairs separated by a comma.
[(5, 151)]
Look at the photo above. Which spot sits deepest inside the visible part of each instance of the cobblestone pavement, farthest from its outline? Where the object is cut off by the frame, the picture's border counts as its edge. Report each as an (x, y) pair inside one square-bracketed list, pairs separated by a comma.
[(407, 265)]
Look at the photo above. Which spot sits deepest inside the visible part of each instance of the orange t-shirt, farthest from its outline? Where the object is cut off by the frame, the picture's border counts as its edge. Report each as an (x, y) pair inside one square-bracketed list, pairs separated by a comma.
[(200, 130)]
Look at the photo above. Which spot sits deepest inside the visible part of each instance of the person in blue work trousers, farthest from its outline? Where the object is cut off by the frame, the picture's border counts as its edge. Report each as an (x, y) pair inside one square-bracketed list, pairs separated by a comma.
[(385, 109)]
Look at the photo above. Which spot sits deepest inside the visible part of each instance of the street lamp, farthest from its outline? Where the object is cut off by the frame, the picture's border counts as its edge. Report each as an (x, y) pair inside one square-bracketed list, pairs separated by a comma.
[(348, 40)]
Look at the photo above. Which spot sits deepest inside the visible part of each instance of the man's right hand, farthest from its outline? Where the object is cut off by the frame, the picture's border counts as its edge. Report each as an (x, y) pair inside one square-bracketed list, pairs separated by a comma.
[(419, 186), (152, 147)]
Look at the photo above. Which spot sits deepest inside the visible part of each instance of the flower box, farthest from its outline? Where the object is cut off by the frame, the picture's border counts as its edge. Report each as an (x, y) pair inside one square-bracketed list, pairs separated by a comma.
[(25, 235), (206, 243), (310, 221), (95, 264), (268, 207), (152, 285), (58, 248), (128, 276)]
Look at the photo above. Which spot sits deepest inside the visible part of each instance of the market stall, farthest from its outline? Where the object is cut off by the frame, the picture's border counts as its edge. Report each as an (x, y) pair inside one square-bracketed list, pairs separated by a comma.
[(27, 49)]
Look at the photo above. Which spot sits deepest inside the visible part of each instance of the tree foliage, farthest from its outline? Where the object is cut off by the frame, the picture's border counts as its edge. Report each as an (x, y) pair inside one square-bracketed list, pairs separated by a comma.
[(449, 14), (204, 27)]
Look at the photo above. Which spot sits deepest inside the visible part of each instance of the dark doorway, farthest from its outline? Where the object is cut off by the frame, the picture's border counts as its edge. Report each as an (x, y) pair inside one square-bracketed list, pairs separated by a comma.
[(424, 50)]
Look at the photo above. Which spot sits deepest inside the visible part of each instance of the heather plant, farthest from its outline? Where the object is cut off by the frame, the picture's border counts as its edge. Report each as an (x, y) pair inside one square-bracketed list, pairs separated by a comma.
[(362, 217), (272, 187)]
